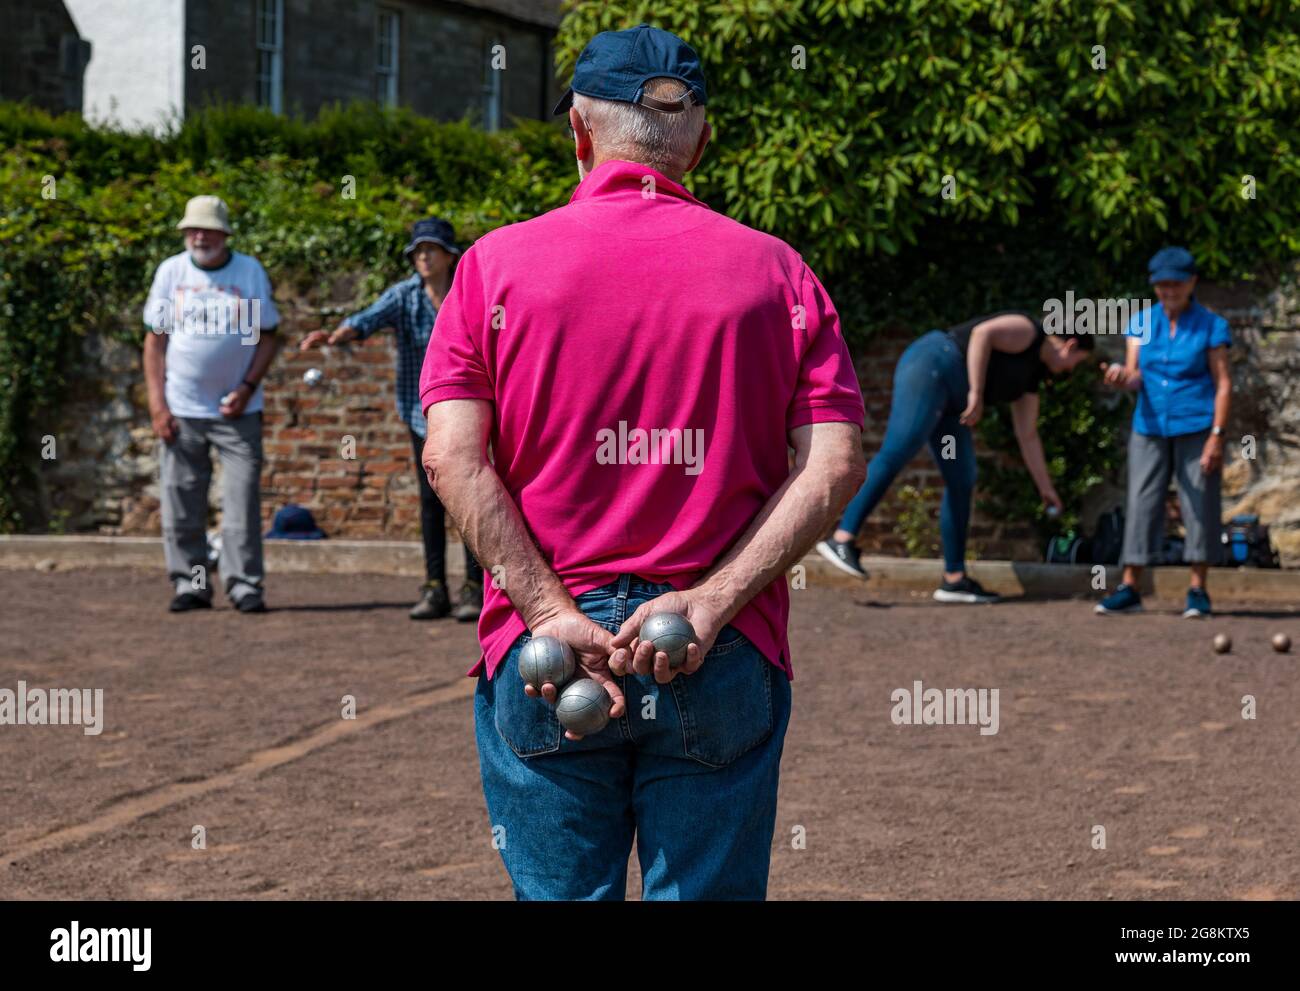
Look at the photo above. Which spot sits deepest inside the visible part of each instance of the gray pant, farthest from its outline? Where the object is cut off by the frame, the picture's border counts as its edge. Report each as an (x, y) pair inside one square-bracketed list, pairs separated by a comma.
[(1151, 463), (185, 471)]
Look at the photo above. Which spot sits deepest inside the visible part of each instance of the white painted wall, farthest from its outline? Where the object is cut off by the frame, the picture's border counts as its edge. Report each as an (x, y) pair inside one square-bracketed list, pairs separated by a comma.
[(136, 73)]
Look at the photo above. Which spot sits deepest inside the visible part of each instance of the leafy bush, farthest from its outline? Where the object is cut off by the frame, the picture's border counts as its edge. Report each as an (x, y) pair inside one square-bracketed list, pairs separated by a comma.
[(917, 523), (1064, 176), (87, 214)]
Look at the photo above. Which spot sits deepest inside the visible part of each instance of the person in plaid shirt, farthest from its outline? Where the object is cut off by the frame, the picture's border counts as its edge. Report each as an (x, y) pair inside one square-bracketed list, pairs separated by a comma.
[(409, 309)]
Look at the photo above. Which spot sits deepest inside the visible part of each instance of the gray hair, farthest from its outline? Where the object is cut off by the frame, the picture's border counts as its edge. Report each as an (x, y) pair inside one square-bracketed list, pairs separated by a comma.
[(665, 142)]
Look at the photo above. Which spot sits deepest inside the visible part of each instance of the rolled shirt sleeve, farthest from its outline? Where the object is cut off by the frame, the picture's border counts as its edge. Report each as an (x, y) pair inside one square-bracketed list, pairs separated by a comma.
[(386, 311), (454, 363), (1220, 335), (827, 390)]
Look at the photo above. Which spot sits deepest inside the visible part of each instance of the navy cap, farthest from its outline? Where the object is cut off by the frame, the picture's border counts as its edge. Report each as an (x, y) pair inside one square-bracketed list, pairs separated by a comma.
[(435, 230), (615, 65), (1172, 265)]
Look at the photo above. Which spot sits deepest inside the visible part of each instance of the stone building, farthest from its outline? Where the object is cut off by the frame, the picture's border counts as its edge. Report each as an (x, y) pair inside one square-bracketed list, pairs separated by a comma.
[(42, 56), (156, 60)]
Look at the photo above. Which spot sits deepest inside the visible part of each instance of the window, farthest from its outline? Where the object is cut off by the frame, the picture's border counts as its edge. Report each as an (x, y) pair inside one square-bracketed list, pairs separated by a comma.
[(386, 58), (492, 81), (270, 54)]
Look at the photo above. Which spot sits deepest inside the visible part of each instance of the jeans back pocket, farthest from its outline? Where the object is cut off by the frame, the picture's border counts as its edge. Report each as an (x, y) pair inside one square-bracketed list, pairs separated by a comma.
[(726, 706), (528, 725)]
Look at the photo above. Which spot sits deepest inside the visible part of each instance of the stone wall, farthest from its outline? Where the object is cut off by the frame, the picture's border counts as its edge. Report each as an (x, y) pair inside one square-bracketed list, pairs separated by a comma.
[(41, 60), (337, 448), (104, 478), (330, 51), (1265, 411)]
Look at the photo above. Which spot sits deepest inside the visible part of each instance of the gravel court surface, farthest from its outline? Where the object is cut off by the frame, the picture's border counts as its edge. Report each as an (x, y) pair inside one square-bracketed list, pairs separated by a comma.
[(233, 722)]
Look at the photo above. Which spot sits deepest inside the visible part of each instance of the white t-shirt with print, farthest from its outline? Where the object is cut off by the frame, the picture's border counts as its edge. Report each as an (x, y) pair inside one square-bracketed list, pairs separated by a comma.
[(214, 319)]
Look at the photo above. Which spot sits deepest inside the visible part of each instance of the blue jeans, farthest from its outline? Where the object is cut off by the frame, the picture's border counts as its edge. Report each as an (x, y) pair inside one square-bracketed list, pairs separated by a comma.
[(691, 768), (930, 387)]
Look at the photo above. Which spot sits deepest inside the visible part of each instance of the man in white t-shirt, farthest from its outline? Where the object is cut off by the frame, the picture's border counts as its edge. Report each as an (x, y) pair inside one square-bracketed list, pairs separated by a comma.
[(212, 321)]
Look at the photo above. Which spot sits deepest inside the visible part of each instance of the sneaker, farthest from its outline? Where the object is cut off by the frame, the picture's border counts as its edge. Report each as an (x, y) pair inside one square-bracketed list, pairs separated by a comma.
[(1198, 604), (469, 602), (1124, 599), (434, 603), (843, 554), (185, 601), (966, 590), (252, 602)]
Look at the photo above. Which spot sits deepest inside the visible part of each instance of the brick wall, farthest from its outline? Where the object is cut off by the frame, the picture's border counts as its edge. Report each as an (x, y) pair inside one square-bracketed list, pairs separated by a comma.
[(105, 475), (880, 535), (338, 448)]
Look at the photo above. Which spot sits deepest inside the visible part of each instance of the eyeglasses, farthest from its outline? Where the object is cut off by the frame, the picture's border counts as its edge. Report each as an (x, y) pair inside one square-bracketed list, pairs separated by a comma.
[(573, 134)]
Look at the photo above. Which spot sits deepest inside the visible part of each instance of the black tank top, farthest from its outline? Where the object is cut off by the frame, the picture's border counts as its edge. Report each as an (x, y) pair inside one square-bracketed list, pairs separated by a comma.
[(1010, 375)]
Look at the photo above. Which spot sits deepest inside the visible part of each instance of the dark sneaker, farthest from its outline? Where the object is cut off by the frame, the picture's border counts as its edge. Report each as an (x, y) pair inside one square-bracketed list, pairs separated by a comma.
[(434, 603), (1124, 599), (469, 603), (843, 554), (186, 601), (252, 602), (1198, 604), (967, 590)]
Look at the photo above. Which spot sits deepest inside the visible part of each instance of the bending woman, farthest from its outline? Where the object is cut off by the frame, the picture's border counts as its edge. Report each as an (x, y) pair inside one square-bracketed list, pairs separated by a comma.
[(941, 385)]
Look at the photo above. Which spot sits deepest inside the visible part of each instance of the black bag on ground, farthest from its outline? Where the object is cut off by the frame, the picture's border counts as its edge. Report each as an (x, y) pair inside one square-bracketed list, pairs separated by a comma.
[(1246, 543), (1108, 541), (1069, 548)]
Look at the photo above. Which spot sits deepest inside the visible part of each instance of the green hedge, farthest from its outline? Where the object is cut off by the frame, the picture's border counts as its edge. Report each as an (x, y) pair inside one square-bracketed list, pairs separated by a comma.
[(83, 259), (1067, 177)]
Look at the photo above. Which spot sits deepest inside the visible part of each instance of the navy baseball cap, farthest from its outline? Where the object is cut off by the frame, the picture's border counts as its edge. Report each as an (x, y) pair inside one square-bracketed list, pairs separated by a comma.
[(615, 65), (1172, 265), (435, 230)]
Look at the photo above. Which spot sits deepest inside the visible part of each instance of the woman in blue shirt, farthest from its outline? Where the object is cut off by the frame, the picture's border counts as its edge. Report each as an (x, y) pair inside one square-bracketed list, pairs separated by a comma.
[(1177, 362)]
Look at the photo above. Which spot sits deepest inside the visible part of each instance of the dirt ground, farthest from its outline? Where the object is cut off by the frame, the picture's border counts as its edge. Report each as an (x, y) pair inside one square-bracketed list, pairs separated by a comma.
[(233, 722)]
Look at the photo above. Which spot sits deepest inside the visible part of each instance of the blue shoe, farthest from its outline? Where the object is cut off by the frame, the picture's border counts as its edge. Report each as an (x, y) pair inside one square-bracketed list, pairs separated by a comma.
[(1124, 599), (1198, 604)]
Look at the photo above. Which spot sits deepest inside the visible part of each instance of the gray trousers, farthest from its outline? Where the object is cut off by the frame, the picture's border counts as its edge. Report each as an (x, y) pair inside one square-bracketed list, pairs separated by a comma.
[(1152, 461), (185, 472)]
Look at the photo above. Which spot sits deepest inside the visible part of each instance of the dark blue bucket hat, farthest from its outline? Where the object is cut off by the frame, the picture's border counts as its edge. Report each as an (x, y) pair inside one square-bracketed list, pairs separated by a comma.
[(615, 65), (434, 230), (294, 522), (1172, 265)]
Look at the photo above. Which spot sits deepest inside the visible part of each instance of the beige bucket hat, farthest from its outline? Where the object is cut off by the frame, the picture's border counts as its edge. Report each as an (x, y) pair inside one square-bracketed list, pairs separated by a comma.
[(208, 212)]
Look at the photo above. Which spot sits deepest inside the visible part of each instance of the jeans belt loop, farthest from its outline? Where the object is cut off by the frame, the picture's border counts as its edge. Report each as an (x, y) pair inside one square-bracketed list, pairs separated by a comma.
[(624, 587)]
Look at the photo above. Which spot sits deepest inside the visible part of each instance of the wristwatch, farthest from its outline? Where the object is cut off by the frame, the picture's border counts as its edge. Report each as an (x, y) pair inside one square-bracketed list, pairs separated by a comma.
[(1217, 431), (252, 386)]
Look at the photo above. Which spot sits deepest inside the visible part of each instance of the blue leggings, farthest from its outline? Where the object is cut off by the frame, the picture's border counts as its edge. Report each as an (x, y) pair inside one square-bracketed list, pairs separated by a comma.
[(930, 387)]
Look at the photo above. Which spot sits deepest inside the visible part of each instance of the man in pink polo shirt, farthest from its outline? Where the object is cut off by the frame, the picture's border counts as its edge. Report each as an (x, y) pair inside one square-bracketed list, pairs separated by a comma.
[(611, 391)]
